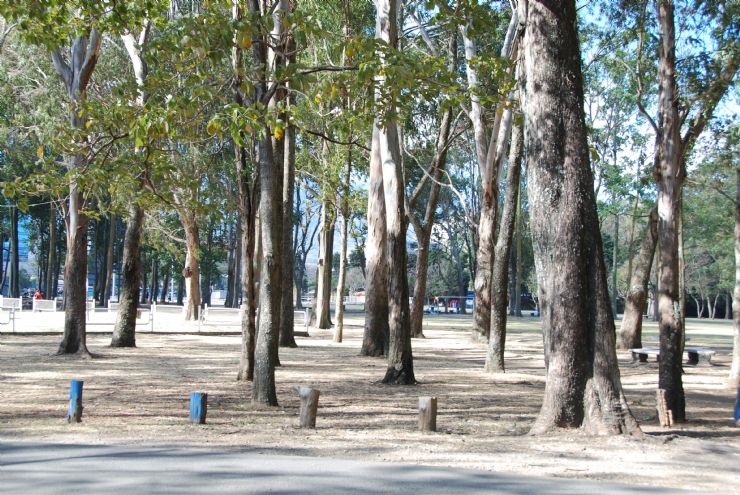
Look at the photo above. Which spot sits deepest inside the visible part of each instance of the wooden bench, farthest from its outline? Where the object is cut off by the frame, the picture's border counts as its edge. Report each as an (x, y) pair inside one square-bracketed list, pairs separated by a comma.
[(694, 354)]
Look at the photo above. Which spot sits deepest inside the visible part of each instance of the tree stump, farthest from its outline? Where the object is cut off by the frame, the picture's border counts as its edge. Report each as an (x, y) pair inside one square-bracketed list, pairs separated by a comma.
[(309, 406), (665, 415), (75, 401), (198, 407), (428, 413)]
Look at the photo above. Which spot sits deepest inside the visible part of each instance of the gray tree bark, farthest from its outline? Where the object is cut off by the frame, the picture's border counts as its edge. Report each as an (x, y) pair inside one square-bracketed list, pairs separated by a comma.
[(630, 332), (582, 386), (375, 337), (76, 72), (490, 154), (497, 340), (51, 263), (14, 289), (734, 378), (326, 258), (400, 370), (124, 332)]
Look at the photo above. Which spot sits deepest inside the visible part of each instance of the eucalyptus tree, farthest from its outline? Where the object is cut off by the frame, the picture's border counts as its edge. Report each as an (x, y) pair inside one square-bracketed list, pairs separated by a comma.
[(582, 385), (490, 153), (687, 97), (72, 33), (423, 220)]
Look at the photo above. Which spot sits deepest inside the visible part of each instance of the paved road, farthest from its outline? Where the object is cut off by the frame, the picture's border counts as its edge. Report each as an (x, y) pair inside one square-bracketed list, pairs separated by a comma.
[(35, 469)]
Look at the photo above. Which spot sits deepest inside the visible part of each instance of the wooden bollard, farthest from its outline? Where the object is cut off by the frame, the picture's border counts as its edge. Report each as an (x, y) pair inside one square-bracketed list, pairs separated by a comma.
[(665, 415), (428, 413), (309, 405), (198, 407), (75, 401)]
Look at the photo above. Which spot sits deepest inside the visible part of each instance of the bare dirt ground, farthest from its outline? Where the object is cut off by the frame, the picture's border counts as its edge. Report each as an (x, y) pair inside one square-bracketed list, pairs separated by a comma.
[(140, 397)]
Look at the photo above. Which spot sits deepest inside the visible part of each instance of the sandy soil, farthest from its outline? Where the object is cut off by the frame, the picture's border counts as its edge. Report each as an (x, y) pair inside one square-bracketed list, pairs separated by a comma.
[(140, 397)]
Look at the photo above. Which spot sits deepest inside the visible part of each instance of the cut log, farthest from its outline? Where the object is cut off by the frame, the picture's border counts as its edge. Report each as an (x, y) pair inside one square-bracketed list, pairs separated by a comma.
[(309, 406), (198, 407), (75, 401), (665, 415), (428, 413)]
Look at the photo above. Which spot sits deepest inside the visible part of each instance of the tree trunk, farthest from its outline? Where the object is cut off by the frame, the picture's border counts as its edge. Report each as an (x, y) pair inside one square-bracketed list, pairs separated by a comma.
[(74, 340), (165, 285), (424, 230), (582, 386), (734, 378), (490, 154), (497, 340), (287, 316), (728, 306), (84, 56), (344, 233), (144, 281), (180, 290), (423, 238), (155, 280), (230, 271), (51, 260), (109, 259), (247, 211), (615, 255), (15, 286), (519, 260), (339, 314), (630, 250), (192, 264), (263, 386), (248, 192), (630, 332), (400, 369), (375, 337), (668, 176), (124, 333), (326, 257)]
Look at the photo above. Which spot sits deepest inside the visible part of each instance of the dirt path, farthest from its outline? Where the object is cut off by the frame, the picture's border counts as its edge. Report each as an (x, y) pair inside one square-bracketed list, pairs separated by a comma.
[(140, 397)]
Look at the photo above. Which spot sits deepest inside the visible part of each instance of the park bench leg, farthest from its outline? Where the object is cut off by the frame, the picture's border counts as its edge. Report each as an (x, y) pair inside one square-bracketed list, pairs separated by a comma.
[(638, 356), (693, 358)]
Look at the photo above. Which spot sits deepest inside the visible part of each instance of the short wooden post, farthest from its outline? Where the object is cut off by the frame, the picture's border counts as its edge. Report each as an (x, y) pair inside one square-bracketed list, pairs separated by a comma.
[(428, 413), (309, 405), (198, 407), (665, 415), (75, 401), (737, 408)]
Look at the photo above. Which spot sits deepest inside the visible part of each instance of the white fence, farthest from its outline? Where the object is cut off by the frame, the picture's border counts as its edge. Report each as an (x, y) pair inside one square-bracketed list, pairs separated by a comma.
[(11, 318), (15, 303), (44, 305)]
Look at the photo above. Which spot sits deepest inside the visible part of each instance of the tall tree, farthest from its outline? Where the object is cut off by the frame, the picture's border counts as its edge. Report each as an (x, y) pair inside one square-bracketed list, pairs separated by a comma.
[(400, 368), (124, 332), (75, 65), (583, 385), (423, 227), (490, 153), (671, 150), (375, 337), (497, 340)]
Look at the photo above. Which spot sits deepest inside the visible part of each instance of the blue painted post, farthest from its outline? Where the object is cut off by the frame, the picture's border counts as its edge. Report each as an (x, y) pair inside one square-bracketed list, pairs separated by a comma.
[(75, 401), (198, 407), (737, 407)]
